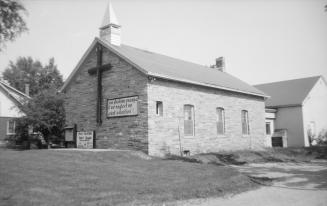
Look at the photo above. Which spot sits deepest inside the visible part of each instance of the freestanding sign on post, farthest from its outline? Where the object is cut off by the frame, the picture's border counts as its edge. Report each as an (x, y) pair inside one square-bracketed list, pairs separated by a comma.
[(85, 140), (70, 136)]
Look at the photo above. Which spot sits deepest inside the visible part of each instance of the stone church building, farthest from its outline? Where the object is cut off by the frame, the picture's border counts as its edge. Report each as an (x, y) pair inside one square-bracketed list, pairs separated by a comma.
[(137, 99)]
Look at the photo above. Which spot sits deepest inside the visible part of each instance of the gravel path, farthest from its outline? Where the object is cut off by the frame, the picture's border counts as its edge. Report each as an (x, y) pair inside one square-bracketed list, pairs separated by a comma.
[(299, 184)]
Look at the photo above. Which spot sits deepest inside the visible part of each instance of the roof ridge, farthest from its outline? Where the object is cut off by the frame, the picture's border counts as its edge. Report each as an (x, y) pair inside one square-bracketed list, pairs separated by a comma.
[(165, 55)]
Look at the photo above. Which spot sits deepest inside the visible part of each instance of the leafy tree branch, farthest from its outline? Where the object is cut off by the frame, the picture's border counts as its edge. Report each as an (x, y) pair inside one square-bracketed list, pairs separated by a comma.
[(12, 23)]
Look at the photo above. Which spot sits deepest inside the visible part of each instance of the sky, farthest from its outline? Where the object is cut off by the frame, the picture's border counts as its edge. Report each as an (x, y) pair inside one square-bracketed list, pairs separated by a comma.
[(262, 41)]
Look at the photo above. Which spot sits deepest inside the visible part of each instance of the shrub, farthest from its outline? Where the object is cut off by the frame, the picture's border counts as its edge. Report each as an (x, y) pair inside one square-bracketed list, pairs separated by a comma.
[(322, 138)]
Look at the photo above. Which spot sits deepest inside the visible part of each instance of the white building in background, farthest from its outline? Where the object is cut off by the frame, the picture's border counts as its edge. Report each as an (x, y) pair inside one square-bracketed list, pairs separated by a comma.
[(10, 99), (296, 111)]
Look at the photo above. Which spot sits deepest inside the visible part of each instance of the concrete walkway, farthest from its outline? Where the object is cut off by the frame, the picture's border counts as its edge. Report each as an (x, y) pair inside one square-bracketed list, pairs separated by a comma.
[(310, 176), (267, 196), (299, 184)]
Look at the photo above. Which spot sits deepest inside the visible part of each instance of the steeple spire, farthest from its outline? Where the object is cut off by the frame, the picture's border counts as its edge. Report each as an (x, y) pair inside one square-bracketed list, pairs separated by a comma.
[(110, 29), (109, 16)]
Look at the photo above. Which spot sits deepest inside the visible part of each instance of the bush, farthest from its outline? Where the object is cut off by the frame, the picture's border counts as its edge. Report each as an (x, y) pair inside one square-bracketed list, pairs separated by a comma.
[(45, 114), (322, 138)]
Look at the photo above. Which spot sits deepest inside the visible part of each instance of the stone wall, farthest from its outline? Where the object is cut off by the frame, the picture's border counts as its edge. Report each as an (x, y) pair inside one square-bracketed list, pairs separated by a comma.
[(166, 132), (121, 81)]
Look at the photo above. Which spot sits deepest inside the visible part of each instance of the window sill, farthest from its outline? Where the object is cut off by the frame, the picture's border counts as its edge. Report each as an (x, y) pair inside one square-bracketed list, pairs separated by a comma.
[(189, 136), (221, 135), (10, 133), (245, 135)]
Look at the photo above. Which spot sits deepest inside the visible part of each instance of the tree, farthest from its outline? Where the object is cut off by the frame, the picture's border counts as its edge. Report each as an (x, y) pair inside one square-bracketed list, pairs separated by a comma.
[(24, 70), (45, 113), (45, 110), (50, 76), (28, 71), (12, 23)]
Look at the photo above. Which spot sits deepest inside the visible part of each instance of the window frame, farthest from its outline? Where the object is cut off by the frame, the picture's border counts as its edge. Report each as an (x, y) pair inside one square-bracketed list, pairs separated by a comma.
[(269, 126), (311, 131), (159, 112), (193, 119), (8, 126), (223, 121), (246, 122)]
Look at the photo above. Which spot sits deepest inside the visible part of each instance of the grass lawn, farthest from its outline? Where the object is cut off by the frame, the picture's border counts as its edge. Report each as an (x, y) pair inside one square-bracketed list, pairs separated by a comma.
[(47, 177)]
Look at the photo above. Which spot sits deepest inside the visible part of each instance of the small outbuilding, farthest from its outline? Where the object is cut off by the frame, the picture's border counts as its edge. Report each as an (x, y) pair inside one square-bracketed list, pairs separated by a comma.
[(296, 113)]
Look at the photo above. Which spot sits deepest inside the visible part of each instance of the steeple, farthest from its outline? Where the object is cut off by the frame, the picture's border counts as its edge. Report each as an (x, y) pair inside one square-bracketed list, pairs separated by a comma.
[(110, 28)]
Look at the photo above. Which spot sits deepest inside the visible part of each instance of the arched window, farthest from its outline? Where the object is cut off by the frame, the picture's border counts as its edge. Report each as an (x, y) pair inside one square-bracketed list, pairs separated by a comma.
[(188, 120), (245, 122), (220, 120)]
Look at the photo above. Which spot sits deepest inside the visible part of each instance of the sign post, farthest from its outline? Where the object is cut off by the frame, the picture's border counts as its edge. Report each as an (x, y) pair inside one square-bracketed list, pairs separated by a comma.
[(70, 136), (85, 140)]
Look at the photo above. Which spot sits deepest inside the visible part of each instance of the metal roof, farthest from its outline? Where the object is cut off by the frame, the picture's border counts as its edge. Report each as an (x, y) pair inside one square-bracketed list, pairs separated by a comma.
[(162, 66), (289, 92)]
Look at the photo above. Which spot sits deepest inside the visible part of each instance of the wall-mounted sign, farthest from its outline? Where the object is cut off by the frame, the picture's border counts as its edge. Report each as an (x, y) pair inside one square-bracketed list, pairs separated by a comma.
[(126, 106), (85, 140)]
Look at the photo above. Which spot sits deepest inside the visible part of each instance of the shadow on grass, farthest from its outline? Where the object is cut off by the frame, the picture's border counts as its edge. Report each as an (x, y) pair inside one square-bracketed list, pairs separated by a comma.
[(184, 159), (268, 158), (219, 160), (262, 180), (229, 159)]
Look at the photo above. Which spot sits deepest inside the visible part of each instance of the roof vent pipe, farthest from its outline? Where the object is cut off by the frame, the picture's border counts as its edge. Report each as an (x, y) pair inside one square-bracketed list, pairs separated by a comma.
[(220, 64), (27, 89)]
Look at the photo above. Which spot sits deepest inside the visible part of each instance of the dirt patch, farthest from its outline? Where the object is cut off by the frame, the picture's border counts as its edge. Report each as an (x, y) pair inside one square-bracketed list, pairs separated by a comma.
[(271, 155), (266, 181), (215, 159)]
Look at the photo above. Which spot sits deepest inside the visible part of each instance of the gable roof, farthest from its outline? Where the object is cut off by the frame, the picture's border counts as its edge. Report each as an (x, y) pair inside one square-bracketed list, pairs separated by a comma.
[(289, 92), (17, 96), (161, 66)]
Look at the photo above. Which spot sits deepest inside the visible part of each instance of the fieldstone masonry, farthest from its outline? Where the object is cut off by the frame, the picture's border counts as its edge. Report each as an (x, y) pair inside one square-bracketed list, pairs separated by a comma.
[(159, 135), (166, 132), (121, 81)]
